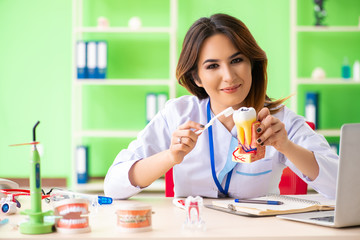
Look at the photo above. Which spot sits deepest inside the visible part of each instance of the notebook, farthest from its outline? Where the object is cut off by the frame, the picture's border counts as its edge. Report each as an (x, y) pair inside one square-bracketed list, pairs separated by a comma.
[(347, 204), (290, 204)]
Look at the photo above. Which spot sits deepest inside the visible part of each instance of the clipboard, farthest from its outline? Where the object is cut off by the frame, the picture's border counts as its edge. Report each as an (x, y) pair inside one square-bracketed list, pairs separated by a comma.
[(291, 204), (231, 211)]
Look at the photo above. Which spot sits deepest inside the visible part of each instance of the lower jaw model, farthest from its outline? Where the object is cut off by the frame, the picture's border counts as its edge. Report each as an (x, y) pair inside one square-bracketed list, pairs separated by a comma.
[(71, 216)]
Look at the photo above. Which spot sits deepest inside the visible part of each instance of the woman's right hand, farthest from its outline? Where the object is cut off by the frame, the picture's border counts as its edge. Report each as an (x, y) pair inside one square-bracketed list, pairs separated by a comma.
[(183, 140)]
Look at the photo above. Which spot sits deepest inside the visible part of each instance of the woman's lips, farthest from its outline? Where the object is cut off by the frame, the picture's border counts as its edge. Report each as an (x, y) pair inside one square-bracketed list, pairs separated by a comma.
[(231, 89)]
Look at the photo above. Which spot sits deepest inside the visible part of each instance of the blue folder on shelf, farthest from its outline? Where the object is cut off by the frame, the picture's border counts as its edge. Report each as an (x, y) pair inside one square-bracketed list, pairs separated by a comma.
[(91, 59), (311, 108), (151, 106), (82, 164), (101, 60), (81, 59)]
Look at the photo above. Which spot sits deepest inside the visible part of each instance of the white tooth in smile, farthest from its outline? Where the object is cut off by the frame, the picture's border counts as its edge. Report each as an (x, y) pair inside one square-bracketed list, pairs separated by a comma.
[(73, 209), (73, 221)]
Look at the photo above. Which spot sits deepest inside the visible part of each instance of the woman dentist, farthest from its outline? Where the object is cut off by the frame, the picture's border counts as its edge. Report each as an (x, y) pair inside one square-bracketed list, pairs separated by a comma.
[(222, 66)]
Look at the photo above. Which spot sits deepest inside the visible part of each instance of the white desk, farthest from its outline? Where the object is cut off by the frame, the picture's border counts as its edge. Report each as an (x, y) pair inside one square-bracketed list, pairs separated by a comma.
[(167, 223)]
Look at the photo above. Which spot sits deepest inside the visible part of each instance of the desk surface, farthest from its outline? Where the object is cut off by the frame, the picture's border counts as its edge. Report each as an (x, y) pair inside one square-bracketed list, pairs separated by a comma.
[(167, 222)]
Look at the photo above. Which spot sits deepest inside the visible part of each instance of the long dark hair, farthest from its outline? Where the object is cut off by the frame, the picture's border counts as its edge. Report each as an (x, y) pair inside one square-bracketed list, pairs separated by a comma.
[(239, 34)]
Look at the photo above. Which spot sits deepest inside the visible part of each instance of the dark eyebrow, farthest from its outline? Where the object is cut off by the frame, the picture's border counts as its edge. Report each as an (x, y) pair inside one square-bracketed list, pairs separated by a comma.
[(215, 60), (234, 55)]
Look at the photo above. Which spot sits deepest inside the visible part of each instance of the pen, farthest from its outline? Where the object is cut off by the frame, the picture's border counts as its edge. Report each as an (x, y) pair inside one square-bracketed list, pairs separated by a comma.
[(269, 202)]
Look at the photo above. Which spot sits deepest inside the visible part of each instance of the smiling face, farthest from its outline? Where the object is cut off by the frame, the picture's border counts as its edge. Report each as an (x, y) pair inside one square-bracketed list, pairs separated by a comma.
[(224, 73)]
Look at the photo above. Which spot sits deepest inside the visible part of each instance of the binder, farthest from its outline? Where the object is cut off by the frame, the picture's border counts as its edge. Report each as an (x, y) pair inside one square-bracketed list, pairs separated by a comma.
[(101, 61), (81, 157), (151, 106), (81, 59), (91, 59), (161, 101), (311, 108)]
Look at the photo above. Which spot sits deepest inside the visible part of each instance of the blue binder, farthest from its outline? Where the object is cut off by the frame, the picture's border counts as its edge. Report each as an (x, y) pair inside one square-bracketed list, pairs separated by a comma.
[(82, 164), (151, 106), (161, 101), (311, 108), (101, 61), (91, 59), (81, 59)]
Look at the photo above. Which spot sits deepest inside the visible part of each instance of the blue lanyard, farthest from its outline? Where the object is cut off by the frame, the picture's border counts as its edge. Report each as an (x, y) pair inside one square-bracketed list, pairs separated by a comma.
[(212, 159)]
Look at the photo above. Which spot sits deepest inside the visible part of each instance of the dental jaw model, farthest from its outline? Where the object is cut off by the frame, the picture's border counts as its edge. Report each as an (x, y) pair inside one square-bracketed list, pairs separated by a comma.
[(247, 151), (72, 216)]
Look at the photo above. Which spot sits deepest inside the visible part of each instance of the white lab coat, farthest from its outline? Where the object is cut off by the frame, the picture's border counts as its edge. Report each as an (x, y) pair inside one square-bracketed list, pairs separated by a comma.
[(193, 176)]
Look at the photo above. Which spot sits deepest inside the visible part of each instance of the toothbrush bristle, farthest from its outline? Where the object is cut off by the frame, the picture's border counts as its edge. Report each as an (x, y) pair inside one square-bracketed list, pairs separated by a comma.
[(228, 111)]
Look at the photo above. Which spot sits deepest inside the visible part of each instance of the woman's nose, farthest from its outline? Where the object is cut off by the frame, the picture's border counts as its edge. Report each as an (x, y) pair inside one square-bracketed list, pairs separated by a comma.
[(228, 74)]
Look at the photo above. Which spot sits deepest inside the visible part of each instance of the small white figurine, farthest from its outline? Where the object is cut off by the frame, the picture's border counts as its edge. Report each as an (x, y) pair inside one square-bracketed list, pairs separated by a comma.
[(103, 23), (318, 74), (135, 23), (193, 208)]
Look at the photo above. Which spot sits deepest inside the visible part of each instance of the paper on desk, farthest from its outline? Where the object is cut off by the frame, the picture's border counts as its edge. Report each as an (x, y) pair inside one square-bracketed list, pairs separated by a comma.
[(292, 204)]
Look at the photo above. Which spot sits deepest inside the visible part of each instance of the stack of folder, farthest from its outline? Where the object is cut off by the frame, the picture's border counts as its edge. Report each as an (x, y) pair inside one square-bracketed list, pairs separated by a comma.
[(155, 102), (91, 59)]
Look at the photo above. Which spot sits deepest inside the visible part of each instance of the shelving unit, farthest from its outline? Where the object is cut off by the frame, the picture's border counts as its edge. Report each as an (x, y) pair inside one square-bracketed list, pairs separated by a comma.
[(296, 80), (79, 131)]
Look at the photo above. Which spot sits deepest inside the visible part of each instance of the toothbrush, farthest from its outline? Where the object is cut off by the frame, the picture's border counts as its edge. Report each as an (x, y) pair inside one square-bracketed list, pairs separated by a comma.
[(227, 112)]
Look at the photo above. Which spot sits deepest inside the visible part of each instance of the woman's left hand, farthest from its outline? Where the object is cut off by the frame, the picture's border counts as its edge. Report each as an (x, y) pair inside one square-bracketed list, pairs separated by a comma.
[(271, 131)]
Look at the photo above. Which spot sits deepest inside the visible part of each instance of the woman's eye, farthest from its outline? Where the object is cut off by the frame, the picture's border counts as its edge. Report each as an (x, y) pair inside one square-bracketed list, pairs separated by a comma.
[(212, 66), (237, 60)]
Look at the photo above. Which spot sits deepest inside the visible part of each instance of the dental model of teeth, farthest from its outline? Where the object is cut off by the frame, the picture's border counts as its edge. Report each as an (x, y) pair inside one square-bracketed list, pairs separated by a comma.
[(72, 216), (134, 217), (248, 151)]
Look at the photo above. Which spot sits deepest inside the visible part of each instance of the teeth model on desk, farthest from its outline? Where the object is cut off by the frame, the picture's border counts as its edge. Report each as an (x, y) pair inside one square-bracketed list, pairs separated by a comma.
[(72, 213), (248, 151), (134, 217)]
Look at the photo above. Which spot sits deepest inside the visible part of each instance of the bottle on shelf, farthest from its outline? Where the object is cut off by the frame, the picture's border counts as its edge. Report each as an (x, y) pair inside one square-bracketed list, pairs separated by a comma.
[(345, 69)]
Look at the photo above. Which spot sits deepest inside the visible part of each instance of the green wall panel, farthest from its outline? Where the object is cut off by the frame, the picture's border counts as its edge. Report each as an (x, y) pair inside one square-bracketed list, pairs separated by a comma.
[(116, 107), (35, 77), (102, 152)]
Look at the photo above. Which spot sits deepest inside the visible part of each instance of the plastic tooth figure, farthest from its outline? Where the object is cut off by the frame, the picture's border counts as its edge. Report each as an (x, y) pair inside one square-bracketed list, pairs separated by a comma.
[(248, 151), (193, 207)]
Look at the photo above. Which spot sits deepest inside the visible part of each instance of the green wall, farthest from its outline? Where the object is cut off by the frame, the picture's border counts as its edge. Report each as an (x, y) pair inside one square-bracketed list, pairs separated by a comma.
[(35, 74), (35, 71)]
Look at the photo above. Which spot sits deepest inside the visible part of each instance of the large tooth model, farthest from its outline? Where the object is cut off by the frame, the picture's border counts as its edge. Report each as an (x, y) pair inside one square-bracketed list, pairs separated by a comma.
[(246, 124)]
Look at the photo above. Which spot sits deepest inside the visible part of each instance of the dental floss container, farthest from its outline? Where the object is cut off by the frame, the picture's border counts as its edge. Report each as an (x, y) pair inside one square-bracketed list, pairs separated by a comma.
[(134, 217)]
